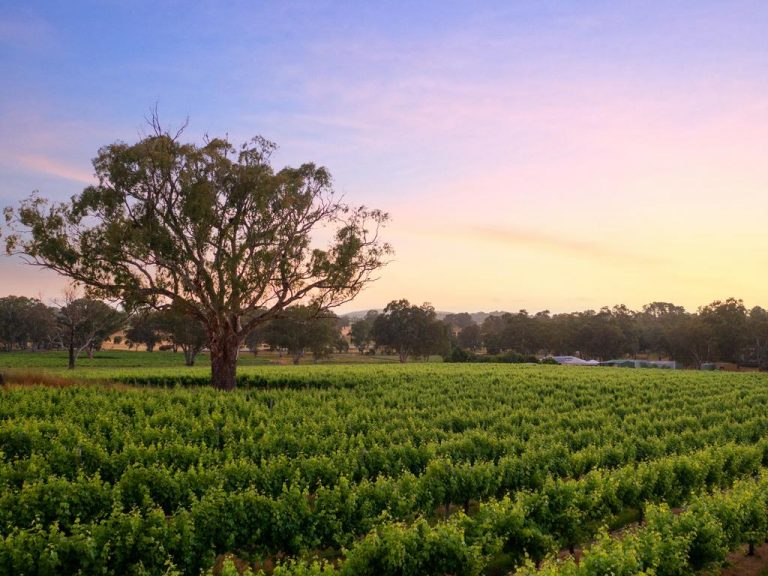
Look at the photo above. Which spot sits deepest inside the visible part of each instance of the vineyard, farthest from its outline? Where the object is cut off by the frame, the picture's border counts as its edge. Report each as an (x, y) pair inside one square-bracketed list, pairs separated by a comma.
[(378, 470)]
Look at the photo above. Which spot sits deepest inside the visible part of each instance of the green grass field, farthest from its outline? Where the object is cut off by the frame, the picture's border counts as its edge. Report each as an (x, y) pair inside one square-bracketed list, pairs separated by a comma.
[(53, 360), (426, 468)]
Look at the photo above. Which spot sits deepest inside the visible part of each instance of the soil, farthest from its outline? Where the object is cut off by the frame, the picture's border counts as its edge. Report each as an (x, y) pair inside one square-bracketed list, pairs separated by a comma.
[(739, 564)]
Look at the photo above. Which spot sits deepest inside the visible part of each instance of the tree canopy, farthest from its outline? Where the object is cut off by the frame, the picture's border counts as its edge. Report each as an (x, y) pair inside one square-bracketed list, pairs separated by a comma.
[(144, 328), (411, 330), (84, 323), (300, 329), (25, 321), (213, 230), (361, 331), (184, 332)]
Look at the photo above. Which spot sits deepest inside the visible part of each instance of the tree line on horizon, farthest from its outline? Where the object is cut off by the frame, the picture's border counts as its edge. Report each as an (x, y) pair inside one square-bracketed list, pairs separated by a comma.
[(721, 331), (83, 325)]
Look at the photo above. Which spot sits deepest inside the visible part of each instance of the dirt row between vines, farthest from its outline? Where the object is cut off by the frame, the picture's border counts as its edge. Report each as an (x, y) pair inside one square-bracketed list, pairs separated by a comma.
[(739, 564)]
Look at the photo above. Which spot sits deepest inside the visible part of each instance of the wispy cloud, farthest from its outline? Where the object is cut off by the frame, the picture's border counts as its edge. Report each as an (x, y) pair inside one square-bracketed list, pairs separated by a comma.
[(533, 240), (55, 168)]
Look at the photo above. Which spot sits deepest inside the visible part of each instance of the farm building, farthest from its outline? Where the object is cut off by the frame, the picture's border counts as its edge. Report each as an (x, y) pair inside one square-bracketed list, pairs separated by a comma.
[(634, 363), (573, 361)]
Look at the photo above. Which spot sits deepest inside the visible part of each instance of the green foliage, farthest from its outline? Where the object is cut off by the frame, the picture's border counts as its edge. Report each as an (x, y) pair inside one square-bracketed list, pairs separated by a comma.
[(677, 545), (184, 331), (461, 355), (411, 330), (212, 229), (371, 467), (361, 331), (144, 328), (25, 322), (85, 323), (470, 337), (303, 328), (418, 549)]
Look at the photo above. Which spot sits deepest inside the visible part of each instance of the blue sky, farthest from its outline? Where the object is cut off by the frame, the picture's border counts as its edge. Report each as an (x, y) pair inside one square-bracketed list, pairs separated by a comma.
[(618, 144)]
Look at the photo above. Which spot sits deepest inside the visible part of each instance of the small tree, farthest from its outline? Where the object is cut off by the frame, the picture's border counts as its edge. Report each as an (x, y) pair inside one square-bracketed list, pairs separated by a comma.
[(25, 321), (144, 328), (40, 320), (299, 329), (470, 338), (84, 323), (758, 332), (691, 340), (185, 332), (12, 325), (360, 331), (411, 330), (728, 320), (460, 321), (256, 338), (655, 323), (340, 344), (211, 229)]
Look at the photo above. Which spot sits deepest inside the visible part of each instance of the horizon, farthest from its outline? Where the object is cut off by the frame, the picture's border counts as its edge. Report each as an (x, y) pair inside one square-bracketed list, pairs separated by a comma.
[(350, 310), (535, 156)]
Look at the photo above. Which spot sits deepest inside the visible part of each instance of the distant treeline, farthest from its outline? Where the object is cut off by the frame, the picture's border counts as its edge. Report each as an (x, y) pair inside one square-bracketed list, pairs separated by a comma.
[(724, 330), (84, 324)]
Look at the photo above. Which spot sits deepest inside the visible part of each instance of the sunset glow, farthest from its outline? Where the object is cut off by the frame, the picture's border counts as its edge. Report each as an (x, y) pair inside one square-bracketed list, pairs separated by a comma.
[(537, 155)]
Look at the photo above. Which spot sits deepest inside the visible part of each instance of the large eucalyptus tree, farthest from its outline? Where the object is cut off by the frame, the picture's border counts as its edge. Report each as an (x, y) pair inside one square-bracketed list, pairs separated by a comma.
[(212, 229)]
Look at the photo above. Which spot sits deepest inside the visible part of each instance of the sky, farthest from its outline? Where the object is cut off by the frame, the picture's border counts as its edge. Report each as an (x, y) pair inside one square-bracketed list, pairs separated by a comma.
[(531, 154)]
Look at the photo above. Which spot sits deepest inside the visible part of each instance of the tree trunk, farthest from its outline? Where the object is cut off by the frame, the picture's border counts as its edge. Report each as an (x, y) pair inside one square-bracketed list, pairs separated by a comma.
[(71, 365), (189, 356), (224, 351)]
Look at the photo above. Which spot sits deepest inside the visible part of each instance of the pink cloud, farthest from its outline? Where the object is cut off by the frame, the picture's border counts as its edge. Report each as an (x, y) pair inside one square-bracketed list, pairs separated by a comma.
[(528, 239), (55, 168)]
